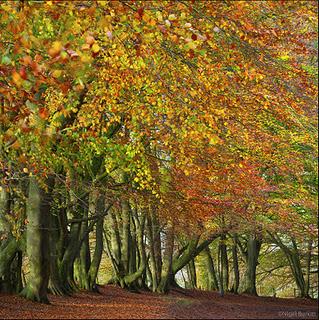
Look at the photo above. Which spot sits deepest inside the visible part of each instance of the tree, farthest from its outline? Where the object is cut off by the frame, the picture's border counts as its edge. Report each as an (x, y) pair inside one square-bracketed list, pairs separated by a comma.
[(158, 115)]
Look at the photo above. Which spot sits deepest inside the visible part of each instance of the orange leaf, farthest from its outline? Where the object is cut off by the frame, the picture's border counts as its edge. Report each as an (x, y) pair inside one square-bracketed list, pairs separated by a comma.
[(43, 113), (16, 78)]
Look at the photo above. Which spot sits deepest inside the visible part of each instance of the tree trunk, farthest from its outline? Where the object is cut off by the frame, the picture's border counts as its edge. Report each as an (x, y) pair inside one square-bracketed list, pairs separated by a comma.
[(4, 209), (192, 249), (38, 244), (192, 274), (235, 266), (224, 269), (308, 266), (188, 253), (157, 244), (211, 272), (297, 270), (153, 265), (125, 235), (62, 225), (293, 258), (97, 256), (167, 272), (84, 260), (56, 286), (7, 254), (248, 284), (70, 254), (10, 266)]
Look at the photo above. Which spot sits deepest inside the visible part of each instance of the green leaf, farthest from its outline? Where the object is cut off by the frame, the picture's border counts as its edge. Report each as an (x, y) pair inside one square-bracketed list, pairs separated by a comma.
[(5, 60)]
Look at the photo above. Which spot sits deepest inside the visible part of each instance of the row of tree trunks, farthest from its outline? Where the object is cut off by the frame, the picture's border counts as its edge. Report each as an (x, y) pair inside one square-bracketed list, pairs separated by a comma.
[(291, 252), (86, 267), (55, 239), (127, 249), (249, 247), (126, 245), (219, 278), (144, 252)]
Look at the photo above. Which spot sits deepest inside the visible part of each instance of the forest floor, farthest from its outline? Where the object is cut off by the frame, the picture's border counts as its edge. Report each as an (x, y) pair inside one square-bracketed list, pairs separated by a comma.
[(116, 303)]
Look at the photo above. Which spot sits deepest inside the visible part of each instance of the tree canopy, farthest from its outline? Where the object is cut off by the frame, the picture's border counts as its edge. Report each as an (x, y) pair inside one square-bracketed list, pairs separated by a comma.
[(186, 121)]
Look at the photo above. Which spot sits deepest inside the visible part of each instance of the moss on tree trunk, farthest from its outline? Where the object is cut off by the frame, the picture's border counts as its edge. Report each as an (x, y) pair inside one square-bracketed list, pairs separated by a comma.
[(248, 283), (38, 244)]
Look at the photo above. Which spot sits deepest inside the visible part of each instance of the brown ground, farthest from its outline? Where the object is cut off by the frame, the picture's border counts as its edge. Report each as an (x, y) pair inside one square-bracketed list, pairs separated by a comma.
[(115, 303)]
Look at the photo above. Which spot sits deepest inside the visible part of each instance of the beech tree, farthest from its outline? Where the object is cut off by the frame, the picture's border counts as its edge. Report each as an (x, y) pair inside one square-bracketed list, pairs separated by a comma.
[(160, 127)]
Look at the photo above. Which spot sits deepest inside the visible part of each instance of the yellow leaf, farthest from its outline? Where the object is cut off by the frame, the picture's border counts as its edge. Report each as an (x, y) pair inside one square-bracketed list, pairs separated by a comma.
[(96, 48), (193, 93), (159, 16), (85, 58), (172, 17), (214, 140), (57, 45), (57, 73), (146, 18), (284, 57), (55, 48)]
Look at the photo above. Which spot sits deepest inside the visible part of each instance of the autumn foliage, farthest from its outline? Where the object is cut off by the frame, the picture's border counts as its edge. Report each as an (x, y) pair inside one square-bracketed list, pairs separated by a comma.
[(204, 111)]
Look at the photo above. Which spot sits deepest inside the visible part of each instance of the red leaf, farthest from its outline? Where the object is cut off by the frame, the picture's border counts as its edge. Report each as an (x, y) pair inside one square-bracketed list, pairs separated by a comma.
[(43, 113), (140, 11), (191, 53), (23, 73)]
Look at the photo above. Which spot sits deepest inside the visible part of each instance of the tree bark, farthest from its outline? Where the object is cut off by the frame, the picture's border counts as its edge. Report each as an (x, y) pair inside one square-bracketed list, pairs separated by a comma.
[(192, 274), (97, 256), (308, 266), (98, 250), (153, 265), (167, 270), (38, 244), (56, 286), (4, 209), (224, 268), (7, 254), (131, 278), (235, 265), (293, 258), (211, 272), (248, 284)]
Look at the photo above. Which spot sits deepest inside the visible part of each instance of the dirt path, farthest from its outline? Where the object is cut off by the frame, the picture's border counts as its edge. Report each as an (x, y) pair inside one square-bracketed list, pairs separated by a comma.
[(115, 303)]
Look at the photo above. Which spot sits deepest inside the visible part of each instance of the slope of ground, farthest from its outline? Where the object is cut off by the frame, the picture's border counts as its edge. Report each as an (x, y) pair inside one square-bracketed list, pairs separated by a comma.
[(115, 303)]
